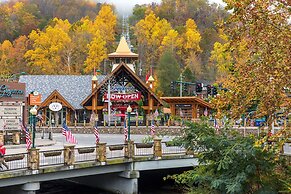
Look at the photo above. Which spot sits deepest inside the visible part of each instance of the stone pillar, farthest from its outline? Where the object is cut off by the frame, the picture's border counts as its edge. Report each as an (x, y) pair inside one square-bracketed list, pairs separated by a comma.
[(69, 154), (101, 153), (129, 150), (33, 159), (16, 138), (31, 188), (2, 137), (158, 148)]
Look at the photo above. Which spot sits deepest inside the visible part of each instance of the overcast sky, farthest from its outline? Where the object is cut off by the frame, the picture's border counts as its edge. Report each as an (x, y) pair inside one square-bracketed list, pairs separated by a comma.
[(125, 6)]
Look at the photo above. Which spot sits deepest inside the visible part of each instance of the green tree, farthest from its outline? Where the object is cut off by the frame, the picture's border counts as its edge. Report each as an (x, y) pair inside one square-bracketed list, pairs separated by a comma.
[(230, 163), (168, 70)]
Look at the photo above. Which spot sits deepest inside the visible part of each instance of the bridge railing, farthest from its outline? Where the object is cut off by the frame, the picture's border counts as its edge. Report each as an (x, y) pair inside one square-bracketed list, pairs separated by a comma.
[(85, 154), (115, 151), (51, 157), (35, 159), (16, 161), (172, 149)]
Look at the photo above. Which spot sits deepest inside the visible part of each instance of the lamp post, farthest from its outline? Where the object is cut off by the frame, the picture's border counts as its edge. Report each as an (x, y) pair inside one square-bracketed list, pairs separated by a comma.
[(129, 109), (33, 112), (84, 115)]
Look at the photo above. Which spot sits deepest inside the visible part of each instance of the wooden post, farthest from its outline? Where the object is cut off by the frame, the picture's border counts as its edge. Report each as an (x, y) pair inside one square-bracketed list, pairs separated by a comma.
[(69, 154), (33, 159), (158, 148)]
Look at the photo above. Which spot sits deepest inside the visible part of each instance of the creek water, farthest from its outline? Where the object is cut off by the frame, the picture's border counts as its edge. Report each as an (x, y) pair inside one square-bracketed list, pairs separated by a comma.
[(150, 182)]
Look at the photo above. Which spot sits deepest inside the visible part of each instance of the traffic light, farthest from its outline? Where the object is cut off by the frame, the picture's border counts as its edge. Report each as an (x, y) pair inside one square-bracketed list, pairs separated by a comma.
[(172, 85), (214, 91), (209, 87), (199, 87), (185, 88)]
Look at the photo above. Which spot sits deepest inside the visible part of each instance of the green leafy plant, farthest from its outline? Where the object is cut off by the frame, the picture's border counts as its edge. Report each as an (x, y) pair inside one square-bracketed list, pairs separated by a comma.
[(229, 163)]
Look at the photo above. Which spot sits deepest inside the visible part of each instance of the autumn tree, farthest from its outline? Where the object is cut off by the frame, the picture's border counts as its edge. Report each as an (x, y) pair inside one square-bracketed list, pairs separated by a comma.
[(5, 48), (205, 15), (45, 57), (97, 53), (104, 26), (259, 67), (150, 33)]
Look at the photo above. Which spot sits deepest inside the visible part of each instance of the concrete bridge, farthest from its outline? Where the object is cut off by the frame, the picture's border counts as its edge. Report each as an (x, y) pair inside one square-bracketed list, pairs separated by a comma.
[(114, 168)]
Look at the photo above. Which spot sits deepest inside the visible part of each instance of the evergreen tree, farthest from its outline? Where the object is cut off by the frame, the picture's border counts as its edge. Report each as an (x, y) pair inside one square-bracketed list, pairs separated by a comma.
[(168, 70)]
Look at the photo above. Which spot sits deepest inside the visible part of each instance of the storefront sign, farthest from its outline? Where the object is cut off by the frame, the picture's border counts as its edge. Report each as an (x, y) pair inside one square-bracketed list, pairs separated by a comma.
[(9, 124), (124, 97), (55, 106), (10, 91), (34, 99), (10, 111)]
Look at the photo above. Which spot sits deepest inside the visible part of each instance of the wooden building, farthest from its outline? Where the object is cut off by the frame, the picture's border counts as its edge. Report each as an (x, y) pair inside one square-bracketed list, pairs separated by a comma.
[(190, 107), (123, 86)]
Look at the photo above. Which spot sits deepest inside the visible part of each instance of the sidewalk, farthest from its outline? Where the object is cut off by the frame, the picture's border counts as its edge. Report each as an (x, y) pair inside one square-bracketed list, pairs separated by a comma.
[(39, 143)]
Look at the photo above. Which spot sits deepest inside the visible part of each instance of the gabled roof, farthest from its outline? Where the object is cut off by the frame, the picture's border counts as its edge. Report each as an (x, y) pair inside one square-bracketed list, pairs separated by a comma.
[(133, 75), (55, 94), (186, 99), (123, 50), (74, 88)]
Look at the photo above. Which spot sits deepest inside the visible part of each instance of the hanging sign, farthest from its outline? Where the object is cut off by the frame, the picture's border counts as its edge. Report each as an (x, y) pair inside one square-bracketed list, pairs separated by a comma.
[(123, 97), (55, 106), (9, 124), (34, 99), (10, 111)]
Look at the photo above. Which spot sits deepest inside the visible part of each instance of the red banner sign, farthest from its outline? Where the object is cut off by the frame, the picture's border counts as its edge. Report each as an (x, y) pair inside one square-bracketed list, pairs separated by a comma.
[(123, 97)]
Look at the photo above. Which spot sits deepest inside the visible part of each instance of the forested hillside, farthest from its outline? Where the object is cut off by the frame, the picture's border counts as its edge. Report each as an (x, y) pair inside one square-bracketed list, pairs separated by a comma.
[(73, 37)]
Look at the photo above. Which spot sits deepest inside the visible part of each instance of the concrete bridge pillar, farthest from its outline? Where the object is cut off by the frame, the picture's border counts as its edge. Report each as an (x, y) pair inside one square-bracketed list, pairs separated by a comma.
[(33, 159), (31, 188), (69, 154)]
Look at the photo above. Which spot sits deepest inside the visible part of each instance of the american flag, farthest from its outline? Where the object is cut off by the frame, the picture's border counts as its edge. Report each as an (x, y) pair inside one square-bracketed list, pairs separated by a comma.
[(96, 133), (27, 135), (125, 131), (152, 128), (68, 134)]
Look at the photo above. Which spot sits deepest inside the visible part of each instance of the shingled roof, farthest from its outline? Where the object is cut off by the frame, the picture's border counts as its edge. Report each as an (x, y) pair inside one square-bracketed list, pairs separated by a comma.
[(74, 88)]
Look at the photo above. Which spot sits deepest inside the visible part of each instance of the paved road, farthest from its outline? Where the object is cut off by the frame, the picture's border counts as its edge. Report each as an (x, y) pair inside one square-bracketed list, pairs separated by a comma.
[(59, 141)]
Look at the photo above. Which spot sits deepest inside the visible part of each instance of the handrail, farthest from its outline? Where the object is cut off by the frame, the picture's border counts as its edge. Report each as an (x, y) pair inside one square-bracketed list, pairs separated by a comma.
[(98, 154)]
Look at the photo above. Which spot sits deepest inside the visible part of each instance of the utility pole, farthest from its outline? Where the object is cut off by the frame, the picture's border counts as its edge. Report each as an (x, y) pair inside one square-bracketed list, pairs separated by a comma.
[(181, 80)]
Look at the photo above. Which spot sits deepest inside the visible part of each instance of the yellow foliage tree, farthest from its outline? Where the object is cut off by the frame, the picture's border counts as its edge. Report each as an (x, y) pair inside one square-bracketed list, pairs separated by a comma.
[(47, 46), (150, 33), (5, 48), (259, 67), (104, 24), (96, 54)]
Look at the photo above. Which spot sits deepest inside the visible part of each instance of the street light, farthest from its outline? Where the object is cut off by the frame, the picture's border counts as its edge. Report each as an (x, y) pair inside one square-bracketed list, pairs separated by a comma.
[(129, 109), (84, 115), (33, 112)]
